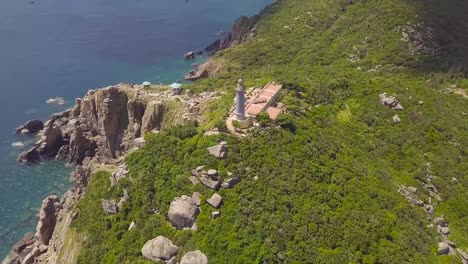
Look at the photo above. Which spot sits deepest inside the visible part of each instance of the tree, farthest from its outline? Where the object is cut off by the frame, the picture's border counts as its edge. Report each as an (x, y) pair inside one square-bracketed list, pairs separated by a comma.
[(263, 119)]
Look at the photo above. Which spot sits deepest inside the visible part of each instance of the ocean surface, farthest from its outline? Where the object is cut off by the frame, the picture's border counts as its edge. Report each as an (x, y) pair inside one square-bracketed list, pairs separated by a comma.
[(63, 48)]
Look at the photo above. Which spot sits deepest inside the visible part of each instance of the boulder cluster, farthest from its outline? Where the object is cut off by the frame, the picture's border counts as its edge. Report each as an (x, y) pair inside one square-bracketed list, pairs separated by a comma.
[(445, 247), (161, 249), (184, 210)]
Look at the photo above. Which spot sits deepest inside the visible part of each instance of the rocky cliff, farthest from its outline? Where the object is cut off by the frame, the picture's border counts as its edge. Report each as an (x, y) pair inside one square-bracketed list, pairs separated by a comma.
[(99, 129), (105, 122)]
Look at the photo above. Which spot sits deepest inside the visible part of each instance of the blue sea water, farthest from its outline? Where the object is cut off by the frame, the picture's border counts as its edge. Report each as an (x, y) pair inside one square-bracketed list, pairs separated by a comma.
[(63, 48)]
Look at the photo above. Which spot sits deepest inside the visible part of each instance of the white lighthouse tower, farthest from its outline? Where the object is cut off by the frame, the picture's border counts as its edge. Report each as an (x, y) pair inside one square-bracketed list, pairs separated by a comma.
[(240, 116)]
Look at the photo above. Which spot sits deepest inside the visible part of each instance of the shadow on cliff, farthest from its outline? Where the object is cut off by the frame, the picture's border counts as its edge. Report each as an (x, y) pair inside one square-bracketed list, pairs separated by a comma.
[(448, 20)]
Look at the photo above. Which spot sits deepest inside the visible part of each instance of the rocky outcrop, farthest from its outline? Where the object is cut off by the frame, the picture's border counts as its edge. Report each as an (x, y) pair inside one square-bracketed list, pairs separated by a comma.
[(244, 29), (390, 101), (183, 212), (160, 249), (80, 147), (47, 219), (30, 127), (153, 117), (194, 257)]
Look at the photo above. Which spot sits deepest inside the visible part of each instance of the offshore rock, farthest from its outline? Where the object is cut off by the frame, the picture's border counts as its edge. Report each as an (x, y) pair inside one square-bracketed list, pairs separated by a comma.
[(30, 127), (194, 257), (47, 219), (183, 212), (159, 249)]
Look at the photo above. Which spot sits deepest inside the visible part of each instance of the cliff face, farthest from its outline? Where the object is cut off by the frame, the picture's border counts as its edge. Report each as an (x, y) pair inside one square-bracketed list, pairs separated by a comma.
[(244, 29), (102, 125)]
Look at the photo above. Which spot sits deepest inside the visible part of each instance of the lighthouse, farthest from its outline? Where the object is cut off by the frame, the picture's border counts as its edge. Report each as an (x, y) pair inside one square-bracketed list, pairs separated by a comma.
[(240, 101)]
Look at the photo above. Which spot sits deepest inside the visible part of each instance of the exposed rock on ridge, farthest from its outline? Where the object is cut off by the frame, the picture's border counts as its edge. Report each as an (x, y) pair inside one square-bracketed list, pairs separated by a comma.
[(104, 124)]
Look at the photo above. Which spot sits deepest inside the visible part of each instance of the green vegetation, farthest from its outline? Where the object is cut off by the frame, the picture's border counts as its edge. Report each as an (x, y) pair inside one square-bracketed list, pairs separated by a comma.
[(327, 183)]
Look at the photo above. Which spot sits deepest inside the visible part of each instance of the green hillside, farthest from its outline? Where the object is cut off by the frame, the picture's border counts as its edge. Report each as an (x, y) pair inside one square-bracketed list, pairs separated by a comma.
[(328, 180)]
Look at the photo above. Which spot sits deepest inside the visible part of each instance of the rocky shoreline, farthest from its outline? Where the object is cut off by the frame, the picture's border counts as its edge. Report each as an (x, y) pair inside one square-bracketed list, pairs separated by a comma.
[(100, 130)]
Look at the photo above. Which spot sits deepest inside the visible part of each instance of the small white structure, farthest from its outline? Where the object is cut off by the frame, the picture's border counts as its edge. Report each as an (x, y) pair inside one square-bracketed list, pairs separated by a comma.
[(176, 88), (146, 84)]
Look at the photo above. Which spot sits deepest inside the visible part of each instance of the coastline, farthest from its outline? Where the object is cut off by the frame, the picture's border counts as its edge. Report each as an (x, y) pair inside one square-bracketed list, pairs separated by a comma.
[(30, 249)]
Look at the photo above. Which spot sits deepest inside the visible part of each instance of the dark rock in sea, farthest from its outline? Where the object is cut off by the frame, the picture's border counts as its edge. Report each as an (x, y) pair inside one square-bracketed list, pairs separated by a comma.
[(189, 55), (29, 156), (30, 127)]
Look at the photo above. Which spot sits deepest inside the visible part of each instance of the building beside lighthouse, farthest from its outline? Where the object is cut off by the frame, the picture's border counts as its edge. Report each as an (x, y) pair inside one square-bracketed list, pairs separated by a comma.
[(258, 100)]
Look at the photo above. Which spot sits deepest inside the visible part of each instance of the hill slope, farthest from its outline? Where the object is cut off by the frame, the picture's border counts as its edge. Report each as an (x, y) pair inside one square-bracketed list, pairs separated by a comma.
[(327, 184)]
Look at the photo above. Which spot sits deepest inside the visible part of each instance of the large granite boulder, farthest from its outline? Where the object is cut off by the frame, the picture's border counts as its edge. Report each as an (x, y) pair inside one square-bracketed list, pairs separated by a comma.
[(443, 249), (194, 257), (47, 219), (219, 151), (159, 249), (183, 212), (215, 200)]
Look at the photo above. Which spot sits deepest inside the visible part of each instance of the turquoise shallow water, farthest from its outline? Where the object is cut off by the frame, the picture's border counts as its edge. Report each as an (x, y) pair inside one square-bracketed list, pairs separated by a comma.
[(63, 48)]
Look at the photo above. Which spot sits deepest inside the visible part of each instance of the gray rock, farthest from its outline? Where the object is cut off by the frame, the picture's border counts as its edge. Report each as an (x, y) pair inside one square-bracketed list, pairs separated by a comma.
[(194, 257), (63, 153), (209, 183), (194, 180), (215, 200), (215, 214), (47, 219), (445, 230), (463, 254), (183, 212), (139, 142), (26, 241), (189, 55), (153, 117), (230, 183), (218, 151), (200, 168), (213, 132), (119, 174), (440, 221), (213, 174), (30, 127), (196, 197), (396, 119), (159, 249), (443, 249), (451, 243), (109, 206)]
